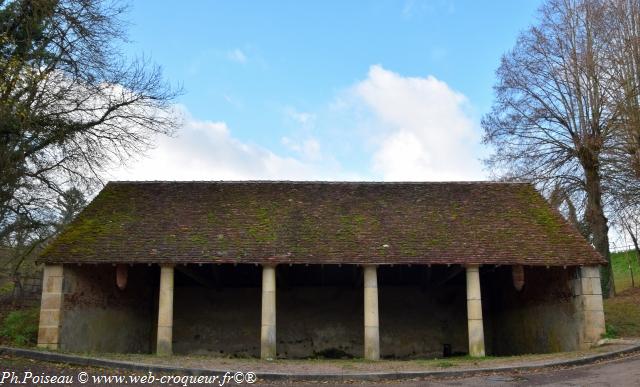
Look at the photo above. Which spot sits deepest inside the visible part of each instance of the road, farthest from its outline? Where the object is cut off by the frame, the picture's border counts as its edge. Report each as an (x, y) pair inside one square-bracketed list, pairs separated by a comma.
[(623, 372)]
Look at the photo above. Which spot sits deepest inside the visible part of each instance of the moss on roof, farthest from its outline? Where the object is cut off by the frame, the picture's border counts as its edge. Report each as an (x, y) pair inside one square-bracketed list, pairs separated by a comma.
[(320, 222)]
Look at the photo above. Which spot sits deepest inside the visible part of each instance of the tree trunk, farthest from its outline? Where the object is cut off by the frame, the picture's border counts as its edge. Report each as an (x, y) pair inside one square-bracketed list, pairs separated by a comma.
[(635, 242), (599, 228)]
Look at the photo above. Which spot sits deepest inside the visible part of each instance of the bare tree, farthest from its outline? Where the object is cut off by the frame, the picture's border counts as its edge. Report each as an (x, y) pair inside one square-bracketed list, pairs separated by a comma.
[(71, 104), (626, 217), (565, 203), (630, 225), (69, 205), (552, 121), (27, 241), (624, 69)]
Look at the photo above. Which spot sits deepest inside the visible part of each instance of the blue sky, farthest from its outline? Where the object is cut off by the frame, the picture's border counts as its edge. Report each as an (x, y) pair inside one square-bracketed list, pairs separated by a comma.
[(331, 90)]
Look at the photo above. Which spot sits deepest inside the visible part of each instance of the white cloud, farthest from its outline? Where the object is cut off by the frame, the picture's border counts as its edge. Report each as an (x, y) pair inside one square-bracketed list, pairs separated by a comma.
[(425, 131), (206, 150), (237, 55), (386, 127), (304, 119), (309, 148)]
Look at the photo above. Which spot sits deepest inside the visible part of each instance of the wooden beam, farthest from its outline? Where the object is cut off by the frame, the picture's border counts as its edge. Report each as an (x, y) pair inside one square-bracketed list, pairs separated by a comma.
[(454, 273), (202, 280)]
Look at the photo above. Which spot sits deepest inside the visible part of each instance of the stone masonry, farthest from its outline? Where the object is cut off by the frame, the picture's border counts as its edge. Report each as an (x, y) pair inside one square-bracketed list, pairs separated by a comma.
[(588, 298), (51, 307)]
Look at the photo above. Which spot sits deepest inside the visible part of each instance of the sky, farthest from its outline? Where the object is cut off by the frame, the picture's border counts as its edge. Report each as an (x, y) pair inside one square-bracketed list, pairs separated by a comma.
[(324, 90)]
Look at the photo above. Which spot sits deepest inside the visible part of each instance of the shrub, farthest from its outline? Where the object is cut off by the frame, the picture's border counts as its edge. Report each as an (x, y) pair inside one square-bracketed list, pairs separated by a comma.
[(610, 332), (20, 327), (6, 289)]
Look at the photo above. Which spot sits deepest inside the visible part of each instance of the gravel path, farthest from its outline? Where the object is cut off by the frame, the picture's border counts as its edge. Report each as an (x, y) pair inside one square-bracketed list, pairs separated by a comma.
[(329, 366), (621, 372)]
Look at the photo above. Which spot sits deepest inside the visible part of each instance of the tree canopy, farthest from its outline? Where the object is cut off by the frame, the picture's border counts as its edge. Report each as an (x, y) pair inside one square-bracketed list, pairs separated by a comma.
[(71, 105), (566, 110)]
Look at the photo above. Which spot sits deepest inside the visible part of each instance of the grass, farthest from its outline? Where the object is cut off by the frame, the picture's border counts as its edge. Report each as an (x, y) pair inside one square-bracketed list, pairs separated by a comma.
[(20, 327), (621, 273), (622, 314)]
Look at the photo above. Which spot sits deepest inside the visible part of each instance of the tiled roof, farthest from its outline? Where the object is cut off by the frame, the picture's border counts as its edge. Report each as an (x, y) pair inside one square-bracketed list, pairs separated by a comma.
[(321, 222)]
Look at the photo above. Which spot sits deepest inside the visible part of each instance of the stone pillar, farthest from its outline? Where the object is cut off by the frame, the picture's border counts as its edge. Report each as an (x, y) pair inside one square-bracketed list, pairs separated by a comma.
[(588, 294), (268, 328), (165, 312), (371, 320), (474, 312), (51, 307)]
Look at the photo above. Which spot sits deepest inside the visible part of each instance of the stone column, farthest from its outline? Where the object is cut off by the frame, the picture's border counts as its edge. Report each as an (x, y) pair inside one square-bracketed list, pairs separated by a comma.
[(474, 312), (165, 312), (371, 321), (268, 328), (588, 291), (51, 307)]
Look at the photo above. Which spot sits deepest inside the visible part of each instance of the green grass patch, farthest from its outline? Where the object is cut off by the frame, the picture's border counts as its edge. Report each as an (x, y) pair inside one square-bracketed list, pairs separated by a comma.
[(454, 361), (622, 314), (6, 289), (611, 332), (20, 327), (620, 263)]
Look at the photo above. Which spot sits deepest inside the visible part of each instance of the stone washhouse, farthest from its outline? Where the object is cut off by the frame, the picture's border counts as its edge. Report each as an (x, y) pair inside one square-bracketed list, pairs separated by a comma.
[(320, 269)]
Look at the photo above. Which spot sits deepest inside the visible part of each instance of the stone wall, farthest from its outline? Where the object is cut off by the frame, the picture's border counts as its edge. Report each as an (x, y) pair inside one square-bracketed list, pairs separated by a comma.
[(218, 322), (99, 317), (320, 321), (319, 313), (419, 323), (540, 318), (587, 294)]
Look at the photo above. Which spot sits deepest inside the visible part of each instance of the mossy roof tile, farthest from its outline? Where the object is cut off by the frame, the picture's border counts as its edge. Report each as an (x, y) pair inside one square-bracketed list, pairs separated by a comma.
[(321, 222)]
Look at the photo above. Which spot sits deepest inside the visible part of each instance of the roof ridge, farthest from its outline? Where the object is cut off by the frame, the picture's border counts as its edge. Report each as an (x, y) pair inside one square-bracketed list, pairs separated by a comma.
[(328, 182)]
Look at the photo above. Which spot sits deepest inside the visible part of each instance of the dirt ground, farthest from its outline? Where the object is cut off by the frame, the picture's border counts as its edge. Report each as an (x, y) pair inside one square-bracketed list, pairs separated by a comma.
[(333, 366), (624, 371)]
